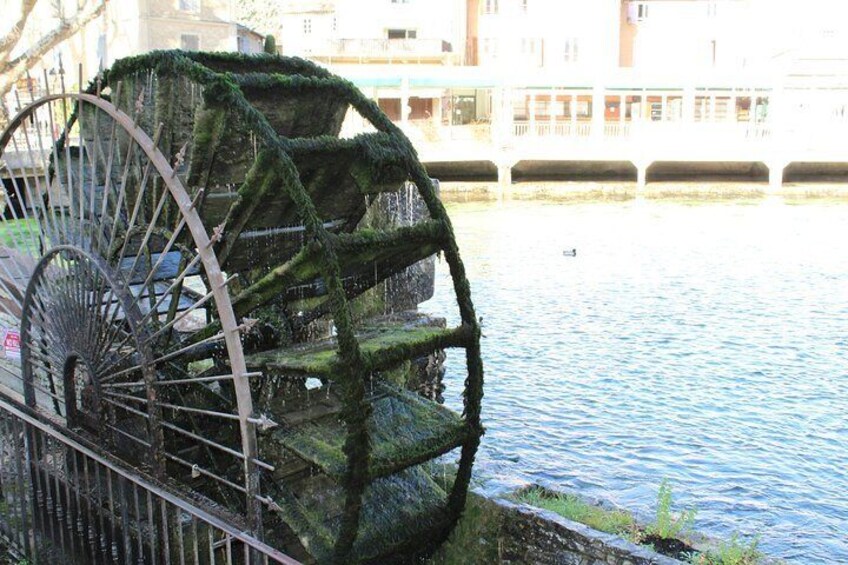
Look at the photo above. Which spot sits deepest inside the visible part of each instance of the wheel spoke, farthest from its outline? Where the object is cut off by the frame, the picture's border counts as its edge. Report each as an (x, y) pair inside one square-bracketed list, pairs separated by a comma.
[(125, 316)]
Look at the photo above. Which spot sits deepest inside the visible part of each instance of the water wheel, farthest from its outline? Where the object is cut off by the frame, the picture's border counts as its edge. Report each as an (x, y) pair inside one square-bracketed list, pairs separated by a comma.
[(187, 249)]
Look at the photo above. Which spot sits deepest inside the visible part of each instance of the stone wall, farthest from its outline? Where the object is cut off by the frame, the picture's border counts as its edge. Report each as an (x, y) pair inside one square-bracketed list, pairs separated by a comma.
[(531, 535), (496, 531)]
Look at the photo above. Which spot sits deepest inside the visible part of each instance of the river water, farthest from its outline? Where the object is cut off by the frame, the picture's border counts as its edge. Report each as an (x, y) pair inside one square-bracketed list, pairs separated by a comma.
[(704, 343)]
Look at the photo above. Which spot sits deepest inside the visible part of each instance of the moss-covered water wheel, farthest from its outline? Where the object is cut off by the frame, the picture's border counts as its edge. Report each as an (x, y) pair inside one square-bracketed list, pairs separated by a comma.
[(196, 220)]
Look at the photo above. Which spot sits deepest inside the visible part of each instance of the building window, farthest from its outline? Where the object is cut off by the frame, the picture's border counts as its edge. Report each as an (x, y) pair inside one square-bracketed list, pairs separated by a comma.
[(570, 51), (190, 42), (307, 26), (192, 6), (528, 46), (490, 7), (637, 12), (712, 9), (401, 34), (490, 47), (101, 49), (335, 24)]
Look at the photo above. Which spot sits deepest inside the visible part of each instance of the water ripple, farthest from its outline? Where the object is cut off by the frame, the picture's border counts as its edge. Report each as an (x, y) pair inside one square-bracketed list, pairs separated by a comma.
[(705, 344)]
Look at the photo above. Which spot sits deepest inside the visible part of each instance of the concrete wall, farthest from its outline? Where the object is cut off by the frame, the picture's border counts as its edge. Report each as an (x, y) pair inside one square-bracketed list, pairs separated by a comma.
[(166, 34), (163, 22), (130, 27)]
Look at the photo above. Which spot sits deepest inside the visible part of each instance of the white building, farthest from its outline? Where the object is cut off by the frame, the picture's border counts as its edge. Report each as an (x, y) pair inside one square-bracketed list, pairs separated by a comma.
[(126, 28), (687, 34), (375, 31), (546, 33)]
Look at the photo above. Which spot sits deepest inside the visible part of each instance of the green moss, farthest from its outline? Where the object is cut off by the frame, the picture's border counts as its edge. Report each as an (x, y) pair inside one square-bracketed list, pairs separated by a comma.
[(398, 375), (304, 266), (474, 540), (573, 508), (224, 79), (208, 129), (404, 430), (370, 303), (380, 349)]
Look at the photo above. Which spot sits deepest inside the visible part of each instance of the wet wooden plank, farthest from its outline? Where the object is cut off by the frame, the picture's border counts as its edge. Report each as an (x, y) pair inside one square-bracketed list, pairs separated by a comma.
[(169, 268)]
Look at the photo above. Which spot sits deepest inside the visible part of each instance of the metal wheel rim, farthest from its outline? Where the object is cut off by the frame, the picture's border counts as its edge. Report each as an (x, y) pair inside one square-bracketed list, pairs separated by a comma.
[(230, 329)]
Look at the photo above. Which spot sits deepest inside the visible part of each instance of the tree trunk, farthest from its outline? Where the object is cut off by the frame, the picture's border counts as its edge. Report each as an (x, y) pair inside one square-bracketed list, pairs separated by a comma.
[(4, 115)]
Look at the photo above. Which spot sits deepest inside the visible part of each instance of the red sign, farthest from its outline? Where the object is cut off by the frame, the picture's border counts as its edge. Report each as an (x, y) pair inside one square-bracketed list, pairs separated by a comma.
[(12, 344)]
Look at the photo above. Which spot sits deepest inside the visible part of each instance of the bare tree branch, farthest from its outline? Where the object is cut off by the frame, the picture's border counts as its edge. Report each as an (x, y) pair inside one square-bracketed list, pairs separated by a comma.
[(11, 39), (12, 70)]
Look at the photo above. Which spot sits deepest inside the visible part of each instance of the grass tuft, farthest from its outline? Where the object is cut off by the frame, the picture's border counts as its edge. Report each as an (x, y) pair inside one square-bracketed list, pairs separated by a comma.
[(731, 552), (573, 508)]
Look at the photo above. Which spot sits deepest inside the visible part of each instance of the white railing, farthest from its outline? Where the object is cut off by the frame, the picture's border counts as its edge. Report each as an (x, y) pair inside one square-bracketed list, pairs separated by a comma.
[(617, 129), (390, 50), (664, 130), (429, 131), (387, 46), (546, 128)]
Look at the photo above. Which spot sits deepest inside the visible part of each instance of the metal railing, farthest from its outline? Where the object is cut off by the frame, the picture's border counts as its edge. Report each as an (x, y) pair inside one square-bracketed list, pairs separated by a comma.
[(63, 502)]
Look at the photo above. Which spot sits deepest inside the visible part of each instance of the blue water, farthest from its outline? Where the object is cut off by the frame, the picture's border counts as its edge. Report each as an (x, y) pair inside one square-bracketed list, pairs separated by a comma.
[(704, 343)]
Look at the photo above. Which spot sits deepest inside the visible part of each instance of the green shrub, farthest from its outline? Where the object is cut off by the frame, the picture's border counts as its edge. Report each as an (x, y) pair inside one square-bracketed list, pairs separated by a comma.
[(270, 45), (666, 525), (731, 552)]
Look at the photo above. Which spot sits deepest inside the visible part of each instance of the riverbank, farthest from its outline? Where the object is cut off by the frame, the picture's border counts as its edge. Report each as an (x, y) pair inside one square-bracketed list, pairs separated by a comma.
[(618, 191), (535, 525)]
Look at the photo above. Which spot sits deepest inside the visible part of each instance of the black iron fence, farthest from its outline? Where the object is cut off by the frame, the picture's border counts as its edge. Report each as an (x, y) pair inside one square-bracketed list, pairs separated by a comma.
[(62, 502)]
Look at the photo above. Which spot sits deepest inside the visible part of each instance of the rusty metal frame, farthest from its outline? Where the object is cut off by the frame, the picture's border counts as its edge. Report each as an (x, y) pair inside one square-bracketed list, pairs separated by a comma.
[(133, 315), (46, 501), (204, 245)]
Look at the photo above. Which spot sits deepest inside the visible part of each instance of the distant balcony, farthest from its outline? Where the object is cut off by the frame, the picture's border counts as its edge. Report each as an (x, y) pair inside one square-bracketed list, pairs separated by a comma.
[(386, 51)]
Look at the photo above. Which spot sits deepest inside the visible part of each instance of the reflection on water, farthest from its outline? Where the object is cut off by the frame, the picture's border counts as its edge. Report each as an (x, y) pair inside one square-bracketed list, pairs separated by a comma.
[(703, 343)]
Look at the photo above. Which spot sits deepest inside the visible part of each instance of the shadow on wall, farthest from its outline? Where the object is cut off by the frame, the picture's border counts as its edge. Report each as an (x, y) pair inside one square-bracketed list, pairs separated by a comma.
[(447, 171), (738, 171), (574, 170), (816, 172)]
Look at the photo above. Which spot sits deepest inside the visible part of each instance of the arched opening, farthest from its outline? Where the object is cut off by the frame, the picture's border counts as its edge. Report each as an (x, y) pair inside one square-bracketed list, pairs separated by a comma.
[(475, 171), (800, 171), (82, 395), (575, 170), (710, 171)]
